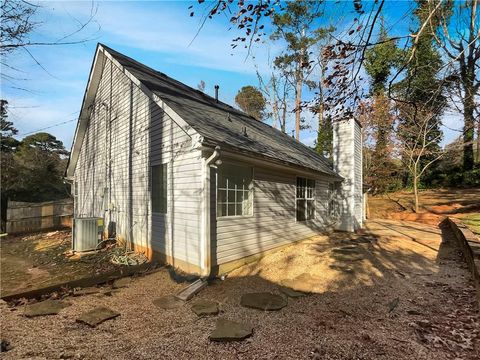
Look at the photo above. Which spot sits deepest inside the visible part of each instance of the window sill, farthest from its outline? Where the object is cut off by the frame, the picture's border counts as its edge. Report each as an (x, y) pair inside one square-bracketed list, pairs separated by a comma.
[(222, 218)]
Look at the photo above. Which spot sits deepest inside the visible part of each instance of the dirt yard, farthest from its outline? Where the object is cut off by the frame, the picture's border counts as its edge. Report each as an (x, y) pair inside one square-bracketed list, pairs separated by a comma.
[(38, 260), (435, 205), (398, 291)]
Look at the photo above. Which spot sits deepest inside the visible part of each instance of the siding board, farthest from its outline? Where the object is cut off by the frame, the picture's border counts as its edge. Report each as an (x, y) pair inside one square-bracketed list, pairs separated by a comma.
[(127, 133), (273, 222)]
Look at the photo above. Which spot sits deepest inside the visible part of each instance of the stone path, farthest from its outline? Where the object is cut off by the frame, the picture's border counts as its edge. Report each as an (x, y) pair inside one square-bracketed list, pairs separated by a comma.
[(97, 316), (168, 302), (227, 330), (205, 307), (47, 307)]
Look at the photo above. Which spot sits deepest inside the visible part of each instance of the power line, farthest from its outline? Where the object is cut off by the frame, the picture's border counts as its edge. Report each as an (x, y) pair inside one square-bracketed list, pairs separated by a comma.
[(48, 127)]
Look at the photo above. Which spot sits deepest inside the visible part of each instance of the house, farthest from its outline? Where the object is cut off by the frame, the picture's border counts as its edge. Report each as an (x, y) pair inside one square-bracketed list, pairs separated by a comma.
[(196, 183)]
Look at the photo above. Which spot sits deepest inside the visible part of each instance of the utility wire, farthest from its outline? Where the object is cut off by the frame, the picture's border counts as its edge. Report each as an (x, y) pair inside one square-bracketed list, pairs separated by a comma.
[(48, 127)]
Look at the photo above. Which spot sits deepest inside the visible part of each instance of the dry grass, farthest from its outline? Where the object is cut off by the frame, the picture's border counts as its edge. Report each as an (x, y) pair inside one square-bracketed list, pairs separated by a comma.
[(346, 318), (38, 260)]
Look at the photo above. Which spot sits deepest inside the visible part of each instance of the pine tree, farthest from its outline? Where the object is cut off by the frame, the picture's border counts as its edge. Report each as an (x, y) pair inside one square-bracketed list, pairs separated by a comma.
[(379, 62), (296, 27)]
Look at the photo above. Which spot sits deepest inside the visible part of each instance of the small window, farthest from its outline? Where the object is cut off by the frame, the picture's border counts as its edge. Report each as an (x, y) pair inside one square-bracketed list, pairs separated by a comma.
[(234, 191), (305, 198), (159, 189)]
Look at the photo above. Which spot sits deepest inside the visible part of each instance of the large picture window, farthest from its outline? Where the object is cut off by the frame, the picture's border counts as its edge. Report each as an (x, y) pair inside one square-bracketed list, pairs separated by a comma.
[(159, 189), (234, 191), (305, 198)]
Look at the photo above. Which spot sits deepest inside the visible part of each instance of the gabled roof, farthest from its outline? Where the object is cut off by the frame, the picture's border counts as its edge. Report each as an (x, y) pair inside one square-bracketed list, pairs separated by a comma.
[(221, 124)]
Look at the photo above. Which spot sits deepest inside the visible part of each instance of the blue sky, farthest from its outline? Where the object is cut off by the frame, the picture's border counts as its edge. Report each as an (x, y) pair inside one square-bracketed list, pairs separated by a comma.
[(158, 34)]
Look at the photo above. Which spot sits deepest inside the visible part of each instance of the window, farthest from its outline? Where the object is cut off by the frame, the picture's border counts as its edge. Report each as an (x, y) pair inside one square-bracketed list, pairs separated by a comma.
[(234, 191), (159, 189), (305, 198)]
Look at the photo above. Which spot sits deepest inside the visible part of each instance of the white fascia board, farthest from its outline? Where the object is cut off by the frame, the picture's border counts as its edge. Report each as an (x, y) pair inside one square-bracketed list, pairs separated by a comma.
[(88, 99), (90, 93)]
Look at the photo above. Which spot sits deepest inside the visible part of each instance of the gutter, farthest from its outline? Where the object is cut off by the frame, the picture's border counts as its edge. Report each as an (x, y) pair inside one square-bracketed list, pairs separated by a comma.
[(212, 161)]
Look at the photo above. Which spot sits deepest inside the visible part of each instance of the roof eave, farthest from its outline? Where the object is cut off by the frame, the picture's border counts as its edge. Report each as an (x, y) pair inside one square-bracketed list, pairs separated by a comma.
[(210, 143)]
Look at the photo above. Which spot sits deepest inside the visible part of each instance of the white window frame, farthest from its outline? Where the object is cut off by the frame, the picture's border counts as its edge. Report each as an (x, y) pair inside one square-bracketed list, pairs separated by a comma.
[(236, 190), (165, 177), (308, 196)]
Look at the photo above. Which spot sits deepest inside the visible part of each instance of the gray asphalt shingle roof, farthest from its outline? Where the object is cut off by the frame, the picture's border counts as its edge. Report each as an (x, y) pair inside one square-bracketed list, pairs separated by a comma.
[(221, 124)]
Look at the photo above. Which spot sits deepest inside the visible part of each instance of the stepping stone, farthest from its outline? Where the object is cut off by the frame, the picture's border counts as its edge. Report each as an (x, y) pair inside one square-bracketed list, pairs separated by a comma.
[(97, 316), (227, 330), (291, 293), (121, 283), (345, 269), (47, 307), (263, 301), (205, 307), (168, 302)]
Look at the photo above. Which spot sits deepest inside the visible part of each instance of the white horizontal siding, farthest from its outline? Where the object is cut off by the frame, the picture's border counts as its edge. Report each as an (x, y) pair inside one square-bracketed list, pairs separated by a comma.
[(273, 222), (116, 158)]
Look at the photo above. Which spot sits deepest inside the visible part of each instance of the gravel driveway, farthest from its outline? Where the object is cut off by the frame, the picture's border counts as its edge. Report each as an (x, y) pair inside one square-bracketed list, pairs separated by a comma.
[(404, 295)]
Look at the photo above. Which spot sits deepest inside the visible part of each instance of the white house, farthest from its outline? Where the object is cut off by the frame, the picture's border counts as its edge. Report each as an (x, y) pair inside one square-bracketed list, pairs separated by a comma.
[(195, 182)]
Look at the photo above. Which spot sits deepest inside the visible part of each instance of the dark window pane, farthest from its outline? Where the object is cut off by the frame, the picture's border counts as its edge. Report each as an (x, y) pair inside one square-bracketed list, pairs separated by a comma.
[(240, 209), (310, 209), (231, 210), (301, 210), (222, 196)]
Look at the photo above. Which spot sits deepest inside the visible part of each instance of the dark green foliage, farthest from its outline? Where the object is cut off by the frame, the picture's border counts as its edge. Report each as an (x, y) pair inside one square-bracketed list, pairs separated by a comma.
[(251, 101), (41, 161), (379, 61), (7, 142), (324, 145)]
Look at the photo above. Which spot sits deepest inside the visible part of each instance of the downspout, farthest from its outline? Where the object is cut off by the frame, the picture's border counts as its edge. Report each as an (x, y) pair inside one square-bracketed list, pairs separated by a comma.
[(207, 251)]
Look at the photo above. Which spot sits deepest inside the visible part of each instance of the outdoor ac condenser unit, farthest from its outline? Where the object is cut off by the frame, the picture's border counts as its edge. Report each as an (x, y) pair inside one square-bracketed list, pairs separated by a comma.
[(87, 233)]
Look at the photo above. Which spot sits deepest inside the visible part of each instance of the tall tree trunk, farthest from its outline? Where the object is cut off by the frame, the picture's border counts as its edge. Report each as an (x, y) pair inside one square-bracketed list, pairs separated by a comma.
[(415, 187), (298, 110), (468, 129), (478, 140)]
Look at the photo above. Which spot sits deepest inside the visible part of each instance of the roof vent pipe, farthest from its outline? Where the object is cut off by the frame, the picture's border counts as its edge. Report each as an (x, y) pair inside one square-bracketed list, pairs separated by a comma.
[(216, 92)]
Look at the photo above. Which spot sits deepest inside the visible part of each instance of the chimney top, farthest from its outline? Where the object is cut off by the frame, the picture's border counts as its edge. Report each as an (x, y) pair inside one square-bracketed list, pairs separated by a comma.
[(216, 92)]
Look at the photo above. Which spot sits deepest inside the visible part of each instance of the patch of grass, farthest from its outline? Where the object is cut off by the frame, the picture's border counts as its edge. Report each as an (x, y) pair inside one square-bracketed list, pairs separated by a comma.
[(472, 221)]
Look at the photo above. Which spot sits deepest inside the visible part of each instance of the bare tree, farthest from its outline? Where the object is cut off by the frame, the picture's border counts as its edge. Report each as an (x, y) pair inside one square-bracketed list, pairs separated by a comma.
[(18, 21), (459, 38), (277, 91), (422, 133)]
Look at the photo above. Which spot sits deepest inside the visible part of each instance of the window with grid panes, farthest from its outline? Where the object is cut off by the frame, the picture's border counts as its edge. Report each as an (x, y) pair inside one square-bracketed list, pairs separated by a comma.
[(305, 199), (234, 190)]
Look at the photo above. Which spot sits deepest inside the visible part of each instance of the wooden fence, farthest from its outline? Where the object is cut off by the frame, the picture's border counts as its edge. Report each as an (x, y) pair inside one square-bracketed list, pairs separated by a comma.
[(30, 217)]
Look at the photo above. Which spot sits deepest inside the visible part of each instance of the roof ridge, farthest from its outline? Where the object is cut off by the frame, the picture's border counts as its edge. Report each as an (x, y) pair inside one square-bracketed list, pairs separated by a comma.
[(213, 101)]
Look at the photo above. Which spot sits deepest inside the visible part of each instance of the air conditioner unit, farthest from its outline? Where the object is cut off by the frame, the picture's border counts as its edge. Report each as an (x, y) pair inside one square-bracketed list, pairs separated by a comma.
[(87, 233)]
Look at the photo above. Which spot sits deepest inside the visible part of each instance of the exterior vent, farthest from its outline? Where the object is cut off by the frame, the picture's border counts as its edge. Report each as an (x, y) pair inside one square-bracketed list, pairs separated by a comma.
[(87, 233)]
